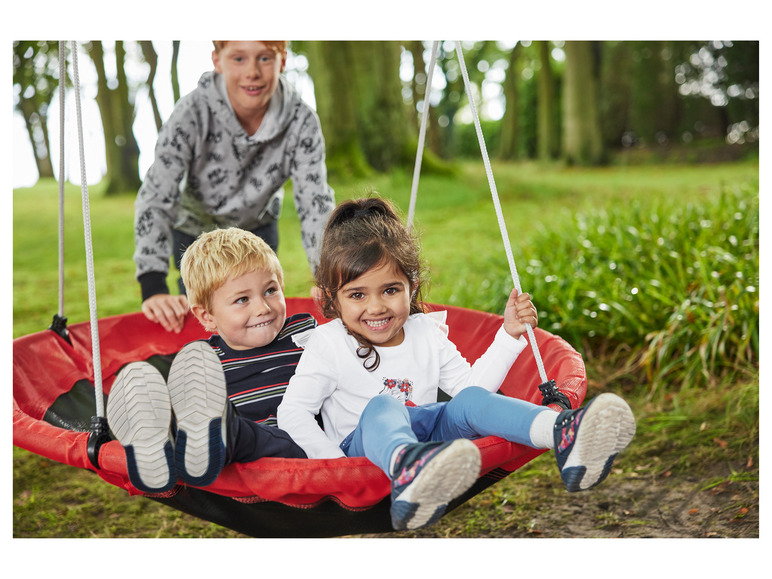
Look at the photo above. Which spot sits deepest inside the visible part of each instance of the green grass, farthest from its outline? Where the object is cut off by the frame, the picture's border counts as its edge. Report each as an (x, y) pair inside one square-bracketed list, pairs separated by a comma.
[(683, 349)]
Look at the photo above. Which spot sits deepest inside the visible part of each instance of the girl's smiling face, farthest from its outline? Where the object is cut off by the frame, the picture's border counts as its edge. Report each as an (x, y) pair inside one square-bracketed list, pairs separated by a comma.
[(248, 311), (376, 304)]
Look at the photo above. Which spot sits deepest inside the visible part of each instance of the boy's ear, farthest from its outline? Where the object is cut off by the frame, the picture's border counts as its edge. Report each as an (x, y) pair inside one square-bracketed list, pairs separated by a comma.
[(283, 61), (216, 61), (205, 318)]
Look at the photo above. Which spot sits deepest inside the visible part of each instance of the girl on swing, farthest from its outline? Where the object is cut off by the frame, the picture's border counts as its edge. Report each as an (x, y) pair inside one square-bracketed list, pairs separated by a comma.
[(373, 373)]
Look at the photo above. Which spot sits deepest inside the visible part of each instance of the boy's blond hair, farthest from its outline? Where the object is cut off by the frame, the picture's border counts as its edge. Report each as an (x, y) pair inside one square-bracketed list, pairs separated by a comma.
[(279, 46), (219, 255)]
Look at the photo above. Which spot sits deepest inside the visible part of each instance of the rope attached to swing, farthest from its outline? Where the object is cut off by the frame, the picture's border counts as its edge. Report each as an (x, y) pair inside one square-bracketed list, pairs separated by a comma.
[(99, 433), (422, 135), (497, 205), (59, 323), (548, 388)]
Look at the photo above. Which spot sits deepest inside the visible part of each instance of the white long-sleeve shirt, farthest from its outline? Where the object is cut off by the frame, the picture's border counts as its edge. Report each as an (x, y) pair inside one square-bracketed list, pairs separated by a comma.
[(331, 378)]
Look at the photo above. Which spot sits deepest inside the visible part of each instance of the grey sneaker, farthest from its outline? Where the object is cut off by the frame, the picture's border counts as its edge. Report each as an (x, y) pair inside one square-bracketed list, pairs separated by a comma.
[(139, 413), (199, 399)]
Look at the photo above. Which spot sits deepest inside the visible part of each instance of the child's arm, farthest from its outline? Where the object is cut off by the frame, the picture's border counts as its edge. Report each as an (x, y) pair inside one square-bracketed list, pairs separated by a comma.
[(518, 312), (307, 390), (490, 370)]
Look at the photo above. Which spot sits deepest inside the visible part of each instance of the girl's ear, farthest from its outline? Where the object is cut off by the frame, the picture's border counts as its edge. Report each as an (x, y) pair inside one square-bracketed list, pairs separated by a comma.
[(205, 318)]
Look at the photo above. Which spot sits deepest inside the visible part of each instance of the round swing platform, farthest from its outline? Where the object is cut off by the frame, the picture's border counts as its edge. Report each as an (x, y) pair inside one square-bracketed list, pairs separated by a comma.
[(53, 405)]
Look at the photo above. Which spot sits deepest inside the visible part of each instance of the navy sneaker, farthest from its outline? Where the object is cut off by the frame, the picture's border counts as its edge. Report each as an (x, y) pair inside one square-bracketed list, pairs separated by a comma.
[(428, 476), (199, 398), (587, 440), (139, 413)]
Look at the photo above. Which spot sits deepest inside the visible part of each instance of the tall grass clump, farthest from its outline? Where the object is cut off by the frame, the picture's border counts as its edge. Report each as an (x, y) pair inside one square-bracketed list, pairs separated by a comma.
[(667, 290)]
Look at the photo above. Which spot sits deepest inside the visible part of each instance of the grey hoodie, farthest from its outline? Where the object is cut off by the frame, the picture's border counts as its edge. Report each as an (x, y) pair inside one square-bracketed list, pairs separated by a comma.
[(208, 173)]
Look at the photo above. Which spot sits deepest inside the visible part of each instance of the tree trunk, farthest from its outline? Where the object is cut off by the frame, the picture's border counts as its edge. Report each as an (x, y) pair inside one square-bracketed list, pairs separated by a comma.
[(510, 129), (582, 142), (359, 102), (175, 77), (547, 115), (654, 106), (420, 78), (37, 130), (117, 113), (151, 57)]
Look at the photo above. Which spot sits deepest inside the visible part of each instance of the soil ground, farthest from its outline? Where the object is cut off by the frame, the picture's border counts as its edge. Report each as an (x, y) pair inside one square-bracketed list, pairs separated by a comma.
[(721, 501), (657, 506)]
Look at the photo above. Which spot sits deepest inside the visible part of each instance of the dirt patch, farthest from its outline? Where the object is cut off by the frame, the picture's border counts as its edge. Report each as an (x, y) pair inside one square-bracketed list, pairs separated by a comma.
[(654, 506), (719, 502)]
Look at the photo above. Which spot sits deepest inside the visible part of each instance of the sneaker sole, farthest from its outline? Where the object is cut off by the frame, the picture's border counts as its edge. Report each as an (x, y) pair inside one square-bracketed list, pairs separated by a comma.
[(448, 475), (607, 427), (139, 414), (199, 397)]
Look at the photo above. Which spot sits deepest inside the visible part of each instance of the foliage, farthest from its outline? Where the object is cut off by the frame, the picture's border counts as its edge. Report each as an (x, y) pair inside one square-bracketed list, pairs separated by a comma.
[(671, 287), (35, 78)]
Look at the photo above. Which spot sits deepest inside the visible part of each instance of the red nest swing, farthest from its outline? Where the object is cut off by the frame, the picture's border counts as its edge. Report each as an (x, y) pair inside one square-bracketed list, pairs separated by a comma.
[(54, 397), (53, 404)]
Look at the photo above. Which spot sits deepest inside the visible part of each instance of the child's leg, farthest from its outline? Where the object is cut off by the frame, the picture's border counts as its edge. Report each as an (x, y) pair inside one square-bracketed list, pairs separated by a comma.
[(383, 427), (249, 441), (425, 476), (586, 440), (139, 413), (474, 412), (200, 402)]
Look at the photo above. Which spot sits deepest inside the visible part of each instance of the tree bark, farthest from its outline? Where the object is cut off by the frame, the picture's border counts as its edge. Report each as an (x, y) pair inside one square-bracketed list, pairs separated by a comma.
[(151, 57), (433, 133), (582, 142), (359, 102), (510, 123), (174, 74), (547, 115), (117, 113)]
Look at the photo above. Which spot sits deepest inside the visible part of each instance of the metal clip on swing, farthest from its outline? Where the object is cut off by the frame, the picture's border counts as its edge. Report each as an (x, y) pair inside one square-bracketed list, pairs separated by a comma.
[(551, 394)]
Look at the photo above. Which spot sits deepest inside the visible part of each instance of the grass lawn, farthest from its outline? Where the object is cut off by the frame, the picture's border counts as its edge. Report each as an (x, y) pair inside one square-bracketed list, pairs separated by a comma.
[(463, 247)]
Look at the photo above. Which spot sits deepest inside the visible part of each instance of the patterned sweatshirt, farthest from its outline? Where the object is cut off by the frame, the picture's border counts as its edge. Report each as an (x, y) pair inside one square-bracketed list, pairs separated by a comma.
[(208, 173)]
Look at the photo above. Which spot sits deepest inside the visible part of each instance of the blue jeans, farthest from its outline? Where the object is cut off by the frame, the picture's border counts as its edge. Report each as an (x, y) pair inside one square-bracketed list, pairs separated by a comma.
[(387, 423)]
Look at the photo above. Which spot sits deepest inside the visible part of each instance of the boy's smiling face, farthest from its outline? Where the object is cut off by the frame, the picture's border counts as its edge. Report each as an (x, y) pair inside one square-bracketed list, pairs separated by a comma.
[(251, 72), (247, 311)]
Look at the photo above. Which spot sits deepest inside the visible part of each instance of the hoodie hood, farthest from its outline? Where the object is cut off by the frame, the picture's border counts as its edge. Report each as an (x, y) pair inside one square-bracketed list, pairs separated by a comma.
[(279, 115)]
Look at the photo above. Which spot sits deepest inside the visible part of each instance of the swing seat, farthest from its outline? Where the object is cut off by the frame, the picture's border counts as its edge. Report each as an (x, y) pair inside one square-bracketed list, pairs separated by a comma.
[(53, 403)]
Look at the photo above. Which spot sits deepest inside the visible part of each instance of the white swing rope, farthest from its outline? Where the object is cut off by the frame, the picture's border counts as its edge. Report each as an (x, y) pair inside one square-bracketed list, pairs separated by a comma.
[(422, 134), (491, 182), (97, 360), (62, 76)]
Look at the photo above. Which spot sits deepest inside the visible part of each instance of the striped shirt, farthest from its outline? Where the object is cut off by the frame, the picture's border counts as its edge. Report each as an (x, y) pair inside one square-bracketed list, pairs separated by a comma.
[(258, 378)]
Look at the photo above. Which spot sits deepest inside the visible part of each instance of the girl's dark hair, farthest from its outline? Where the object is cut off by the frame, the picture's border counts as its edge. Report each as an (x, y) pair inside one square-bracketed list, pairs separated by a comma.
[(361, 234)]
